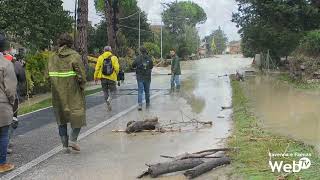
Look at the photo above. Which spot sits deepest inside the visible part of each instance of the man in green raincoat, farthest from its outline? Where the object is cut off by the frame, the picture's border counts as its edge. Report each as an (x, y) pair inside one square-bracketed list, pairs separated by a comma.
[(175, 71), (67, 75)]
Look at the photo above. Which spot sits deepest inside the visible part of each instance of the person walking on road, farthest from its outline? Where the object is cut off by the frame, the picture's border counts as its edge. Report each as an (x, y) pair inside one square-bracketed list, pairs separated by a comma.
[(107, 70), (8, 87), (143, 65), (175, 71), (21, 78), (68, 79)]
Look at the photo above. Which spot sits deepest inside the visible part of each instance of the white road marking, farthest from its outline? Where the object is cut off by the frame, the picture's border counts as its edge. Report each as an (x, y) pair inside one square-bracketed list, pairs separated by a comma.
[(56, 150), (34, 111)]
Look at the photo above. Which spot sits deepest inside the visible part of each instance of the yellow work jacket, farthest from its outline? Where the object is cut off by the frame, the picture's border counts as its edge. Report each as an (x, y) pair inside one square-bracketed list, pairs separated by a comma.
[(99, 66)]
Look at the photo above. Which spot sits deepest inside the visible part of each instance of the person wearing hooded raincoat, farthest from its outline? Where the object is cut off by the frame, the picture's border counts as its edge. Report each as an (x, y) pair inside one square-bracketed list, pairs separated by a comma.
[(68, 78), (8, 86)]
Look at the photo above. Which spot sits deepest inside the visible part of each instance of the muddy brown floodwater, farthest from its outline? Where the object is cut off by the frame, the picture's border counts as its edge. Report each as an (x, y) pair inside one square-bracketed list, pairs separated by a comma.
[(286, 110)]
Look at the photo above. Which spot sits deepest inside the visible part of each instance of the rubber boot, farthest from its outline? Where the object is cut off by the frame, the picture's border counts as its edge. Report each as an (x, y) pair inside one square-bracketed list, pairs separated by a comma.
[(172, 89), (178, 88), (148, 102), (148, 105), (109, 107), (65, 143)]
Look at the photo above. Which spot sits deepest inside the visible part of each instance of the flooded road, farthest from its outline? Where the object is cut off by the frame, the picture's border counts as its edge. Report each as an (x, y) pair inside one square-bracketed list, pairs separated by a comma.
[(118, 156), (286, 110)]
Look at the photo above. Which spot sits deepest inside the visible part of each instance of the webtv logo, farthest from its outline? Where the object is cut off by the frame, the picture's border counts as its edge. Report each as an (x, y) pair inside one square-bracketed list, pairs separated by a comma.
[(303, 163)]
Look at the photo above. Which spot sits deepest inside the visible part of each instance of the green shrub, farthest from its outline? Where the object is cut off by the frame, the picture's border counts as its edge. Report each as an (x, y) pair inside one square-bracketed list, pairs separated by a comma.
[(153, 49), (310, 44), (126, 63), (36, 72)]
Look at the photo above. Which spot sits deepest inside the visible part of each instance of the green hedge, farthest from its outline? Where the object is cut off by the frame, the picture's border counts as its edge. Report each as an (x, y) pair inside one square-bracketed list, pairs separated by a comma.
[(310, 44), (153, 49), (36, 72), (126, 63)]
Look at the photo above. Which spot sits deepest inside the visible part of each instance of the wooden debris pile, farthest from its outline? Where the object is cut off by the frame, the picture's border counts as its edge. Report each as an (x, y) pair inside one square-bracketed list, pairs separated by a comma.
[(193, 164)]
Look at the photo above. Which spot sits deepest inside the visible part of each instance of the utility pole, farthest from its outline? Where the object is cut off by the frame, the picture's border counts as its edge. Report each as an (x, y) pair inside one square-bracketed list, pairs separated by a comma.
[(198, 41), (139, 29), (161, 40), (75, 23)]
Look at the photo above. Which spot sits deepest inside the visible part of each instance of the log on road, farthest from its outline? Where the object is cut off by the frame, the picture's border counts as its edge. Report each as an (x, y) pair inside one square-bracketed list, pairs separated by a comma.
[(173, 166), (189, 156), (138, 126), (200, 154), (206, 167)]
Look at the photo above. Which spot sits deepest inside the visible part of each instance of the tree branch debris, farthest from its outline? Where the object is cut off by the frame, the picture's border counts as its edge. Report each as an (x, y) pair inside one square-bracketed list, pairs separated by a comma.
[(152, 125), (194, 164)]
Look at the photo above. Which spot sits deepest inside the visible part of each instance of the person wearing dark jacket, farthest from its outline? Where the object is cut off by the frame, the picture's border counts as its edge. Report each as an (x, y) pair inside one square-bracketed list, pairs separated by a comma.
[(21, 77), (8, 87), (175, 71), (143, 65)]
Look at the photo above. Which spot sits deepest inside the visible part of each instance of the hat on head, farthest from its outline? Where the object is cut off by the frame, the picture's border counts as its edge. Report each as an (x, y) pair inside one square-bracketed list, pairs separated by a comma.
[(143, 50), (107, 48)]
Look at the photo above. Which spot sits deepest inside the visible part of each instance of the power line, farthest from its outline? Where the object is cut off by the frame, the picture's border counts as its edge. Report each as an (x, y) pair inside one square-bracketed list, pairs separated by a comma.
[(135, 28), (129, 16)]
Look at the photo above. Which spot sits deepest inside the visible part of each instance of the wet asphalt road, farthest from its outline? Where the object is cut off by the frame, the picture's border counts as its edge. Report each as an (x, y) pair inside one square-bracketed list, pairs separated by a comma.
[(37, 120), (37, 133)]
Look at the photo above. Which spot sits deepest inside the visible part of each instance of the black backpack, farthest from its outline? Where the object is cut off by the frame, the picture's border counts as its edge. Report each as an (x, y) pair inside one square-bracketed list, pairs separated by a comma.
[(107, 68)]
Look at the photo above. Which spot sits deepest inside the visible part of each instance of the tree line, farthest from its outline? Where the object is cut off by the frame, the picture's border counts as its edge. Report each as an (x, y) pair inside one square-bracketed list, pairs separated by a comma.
[(179, 27), (216, 42), (36, 24), (277, 26)]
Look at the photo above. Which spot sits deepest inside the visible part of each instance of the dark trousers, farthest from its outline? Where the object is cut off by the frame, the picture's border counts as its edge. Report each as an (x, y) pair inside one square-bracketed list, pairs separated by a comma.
[(4, 140), (143, 86), (15, 122), (109, 87), (175, 82)]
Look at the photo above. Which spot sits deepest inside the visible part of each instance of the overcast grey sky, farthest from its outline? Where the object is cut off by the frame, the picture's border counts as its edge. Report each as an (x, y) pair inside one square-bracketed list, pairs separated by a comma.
[(219, 13)]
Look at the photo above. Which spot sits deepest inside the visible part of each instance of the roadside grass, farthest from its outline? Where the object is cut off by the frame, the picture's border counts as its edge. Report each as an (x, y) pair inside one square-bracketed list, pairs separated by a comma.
[(298, 84), (251, 161), (47, 103)]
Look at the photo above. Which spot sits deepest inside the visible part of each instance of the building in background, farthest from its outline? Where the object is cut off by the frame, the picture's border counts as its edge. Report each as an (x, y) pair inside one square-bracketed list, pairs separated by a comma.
[(155, 28), (234, 47)]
